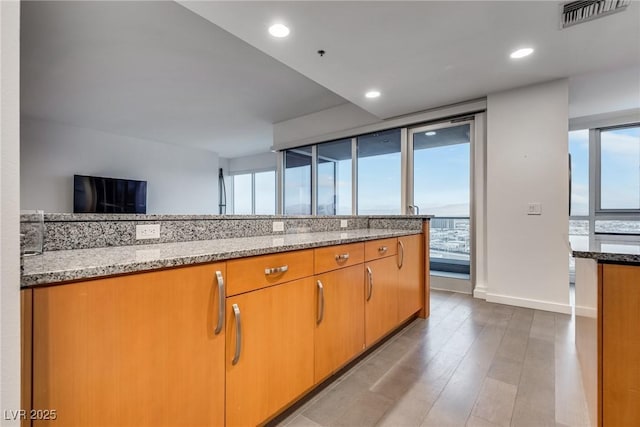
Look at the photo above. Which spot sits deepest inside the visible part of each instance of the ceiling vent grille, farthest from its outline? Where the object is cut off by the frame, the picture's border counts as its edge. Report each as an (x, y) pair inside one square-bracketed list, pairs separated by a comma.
[(576, 12)]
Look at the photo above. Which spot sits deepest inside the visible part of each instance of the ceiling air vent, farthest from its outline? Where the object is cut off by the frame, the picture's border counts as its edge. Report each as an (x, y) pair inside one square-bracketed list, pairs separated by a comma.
[(576, 12)]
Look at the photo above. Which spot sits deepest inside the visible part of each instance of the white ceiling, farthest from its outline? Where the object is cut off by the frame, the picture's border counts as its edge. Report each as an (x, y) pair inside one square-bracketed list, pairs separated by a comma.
[(157, 70), (424, 54)]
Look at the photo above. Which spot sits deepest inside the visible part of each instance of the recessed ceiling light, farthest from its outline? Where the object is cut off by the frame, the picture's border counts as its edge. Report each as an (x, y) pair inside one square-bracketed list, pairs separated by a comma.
[(279, 30), (372, 94), (430, 133), (521, 53)]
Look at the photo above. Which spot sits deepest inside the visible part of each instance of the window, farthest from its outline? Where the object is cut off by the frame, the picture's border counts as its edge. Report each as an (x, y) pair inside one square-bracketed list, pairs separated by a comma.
[(379, 179), (620, 168), (242, 194), (334, 178), (579, 151), (254, 193), (265, 193), (297, 181), (441, 186)]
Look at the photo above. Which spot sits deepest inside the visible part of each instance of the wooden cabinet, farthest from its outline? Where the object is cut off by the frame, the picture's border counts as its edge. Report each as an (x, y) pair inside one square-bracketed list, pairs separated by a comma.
[(620, 345), (381, 298), (339, 256), (174, 347), (339, 332), (270, 350), (410, 275), (381, 248), (248, 274), (136, 350)]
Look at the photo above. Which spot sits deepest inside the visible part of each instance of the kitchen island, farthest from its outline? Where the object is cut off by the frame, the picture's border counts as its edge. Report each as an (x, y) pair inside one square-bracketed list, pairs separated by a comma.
[(607, 309), (229, 330)]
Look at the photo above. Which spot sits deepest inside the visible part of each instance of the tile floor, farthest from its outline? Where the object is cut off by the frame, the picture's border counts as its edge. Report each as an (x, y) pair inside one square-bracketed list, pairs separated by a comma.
[(472, 363)]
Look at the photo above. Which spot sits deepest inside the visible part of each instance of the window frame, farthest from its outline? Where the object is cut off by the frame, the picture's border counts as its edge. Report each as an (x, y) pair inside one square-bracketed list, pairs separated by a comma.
[(600, 212), (253, 189)]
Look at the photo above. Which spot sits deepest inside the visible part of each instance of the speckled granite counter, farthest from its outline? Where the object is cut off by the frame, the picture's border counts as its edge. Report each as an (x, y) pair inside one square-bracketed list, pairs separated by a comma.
[(608, 248), (69, 265)]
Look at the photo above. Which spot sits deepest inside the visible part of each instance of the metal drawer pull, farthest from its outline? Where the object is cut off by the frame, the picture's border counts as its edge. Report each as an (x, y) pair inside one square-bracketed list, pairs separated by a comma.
[(275, 270), (320, 303), (236, 313), (400, 254), (221, 297), (370, 273), (342, 257), (382, 249)]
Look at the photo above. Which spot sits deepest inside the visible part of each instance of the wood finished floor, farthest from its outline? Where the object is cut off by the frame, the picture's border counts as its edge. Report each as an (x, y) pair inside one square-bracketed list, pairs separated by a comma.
[(472, 363)]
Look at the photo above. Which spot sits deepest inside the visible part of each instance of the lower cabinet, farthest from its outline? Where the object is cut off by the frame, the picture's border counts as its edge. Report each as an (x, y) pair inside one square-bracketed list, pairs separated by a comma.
[(170, 348), (270, 350), (620, 345), (410, 275), (136, 350), (339, 334), (381, 298)]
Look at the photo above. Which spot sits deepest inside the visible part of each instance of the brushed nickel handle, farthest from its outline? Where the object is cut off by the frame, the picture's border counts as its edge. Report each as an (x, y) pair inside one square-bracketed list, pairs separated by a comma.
[(275, 270), (342, 257), (236, 314), (320, 302), (382, 249), (370, 274), (400, 253), (221, 298)]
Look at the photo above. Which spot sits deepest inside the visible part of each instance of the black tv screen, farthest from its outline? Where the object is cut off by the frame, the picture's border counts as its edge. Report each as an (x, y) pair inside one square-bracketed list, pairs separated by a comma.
[(95, 194)]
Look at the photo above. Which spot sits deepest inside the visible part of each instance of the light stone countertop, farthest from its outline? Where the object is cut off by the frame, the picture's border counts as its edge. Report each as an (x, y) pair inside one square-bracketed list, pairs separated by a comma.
[(70, 265), (608, 248)]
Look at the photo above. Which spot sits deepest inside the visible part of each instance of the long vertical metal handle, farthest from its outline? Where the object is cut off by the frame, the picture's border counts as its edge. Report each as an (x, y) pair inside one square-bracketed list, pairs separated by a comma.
[(400, 253), (370, 274), (236, 313), (221, 297), (320, 302)]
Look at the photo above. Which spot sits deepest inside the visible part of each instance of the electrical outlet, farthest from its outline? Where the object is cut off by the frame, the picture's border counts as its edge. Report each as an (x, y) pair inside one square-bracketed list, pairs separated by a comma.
[(344, 223), (147, 231), (534, 209), (278, 226)]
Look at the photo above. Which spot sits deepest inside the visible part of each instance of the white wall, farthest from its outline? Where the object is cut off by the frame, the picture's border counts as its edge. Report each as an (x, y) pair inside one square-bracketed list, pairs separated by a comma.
[(179, 179), (9, 208), (527, 149), (604, 92), (342, 117), (255, 163)]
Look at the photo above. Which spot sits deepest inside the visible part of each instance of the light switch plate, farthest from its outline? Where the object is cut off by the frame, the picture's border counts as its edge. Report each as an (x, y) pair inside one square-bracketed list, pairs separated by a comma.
[(534, 209), (344, 223), (147, 231), (278, 226)]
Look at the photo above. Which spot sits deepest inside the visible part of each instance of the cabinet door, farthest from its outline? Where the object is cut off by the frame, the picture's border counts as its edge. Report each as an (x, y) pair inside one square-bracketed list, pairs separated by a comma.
[(620, 345), (136, 350), (410, 275), (381, 298), (339, 334), (270, 356)]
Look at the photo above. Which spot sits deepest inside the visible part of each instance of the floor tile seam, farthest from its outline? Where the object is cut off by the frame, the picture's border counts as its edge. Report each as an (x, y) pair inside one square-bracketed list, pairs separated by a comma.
[(452, 375)]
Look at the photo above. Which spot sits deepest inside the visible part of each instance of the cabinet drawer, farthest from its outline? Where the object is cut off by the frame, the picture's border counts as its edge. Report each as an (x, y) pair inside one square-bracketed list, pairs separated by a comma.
[(248, 274), (334, 257), (380, 248)]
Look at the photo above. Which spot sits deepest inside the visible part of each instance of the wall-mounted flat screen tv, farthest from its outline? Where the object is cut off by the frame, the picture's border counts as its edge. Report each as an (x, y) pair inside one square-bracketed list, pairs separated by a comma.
[(95, 194)]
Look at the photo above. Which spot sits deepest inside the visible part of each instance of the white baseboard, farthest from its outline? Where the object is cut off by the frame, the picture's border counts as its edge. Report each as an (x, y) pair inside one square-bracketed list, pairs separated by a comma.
[(529, 303), (451, 284), (480, 292), (586, 312)]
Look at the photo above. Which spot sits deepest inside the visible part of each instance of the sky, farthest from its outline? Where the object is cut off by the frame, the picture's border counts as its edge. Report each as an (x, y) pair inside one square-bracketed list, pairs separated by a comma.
[(620, 169)]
